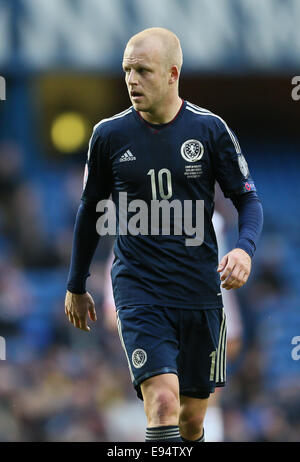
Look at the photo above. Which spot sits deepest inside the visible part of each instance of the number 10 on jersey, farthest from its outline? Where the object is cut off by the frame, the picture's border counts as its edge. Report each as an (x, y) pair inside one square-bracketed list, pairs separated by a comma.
[(164, 183)]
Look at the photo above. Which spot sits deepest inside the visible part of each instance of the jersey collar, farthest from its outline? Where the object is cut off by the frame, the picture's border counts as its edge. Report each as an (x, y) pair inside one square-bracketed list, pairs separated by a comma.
[(155, 128)]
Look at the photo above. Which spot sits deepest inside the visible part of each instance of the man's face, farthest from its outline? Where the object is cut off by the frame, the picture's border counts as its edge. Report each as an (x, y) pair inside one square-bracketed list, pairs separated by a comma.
[(146, 76)]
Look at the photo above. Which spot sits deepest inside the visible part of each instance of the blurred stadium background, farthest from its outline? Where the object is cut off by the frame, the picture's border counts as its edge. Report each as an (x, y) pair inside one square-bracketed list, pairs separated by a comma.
[(61, 60)]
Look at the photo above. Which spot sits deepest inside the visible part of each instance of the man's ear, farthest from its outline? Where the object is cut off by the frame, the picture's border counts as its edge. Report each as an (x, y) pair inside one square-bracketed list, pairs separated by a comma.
[(174, 74)]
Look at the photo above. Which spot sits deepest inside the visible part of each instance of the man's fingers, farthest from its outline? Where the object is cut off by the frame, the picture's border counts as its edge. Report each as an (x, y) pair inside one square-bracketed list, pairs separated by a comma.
[(80, 322), (227, 271), (236, 280), (222, 264), (77, 306), (83, 325), (236, 271), (233, 278), (76, 321), (227, 284), (245, 277), (92, 313), (69, 315), (71, 318)]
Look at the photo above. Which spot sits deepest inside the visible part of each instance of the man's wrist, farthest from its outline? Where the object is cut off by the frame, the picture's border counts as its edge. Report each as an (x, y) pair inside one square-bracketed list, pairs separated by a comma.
[(76, 291), (247, 246)]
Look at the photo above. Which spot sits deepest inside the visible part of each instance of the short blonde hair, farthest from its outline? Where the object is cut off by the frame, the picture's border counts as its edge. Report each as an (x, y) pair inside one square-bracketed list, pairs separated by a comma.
[(169, 41)]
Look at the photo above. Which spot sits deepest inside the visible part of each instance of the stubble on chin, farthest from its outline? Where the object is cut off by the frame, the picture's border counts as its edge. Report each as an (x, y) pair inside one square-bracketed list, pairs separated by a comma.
[(139, 107)]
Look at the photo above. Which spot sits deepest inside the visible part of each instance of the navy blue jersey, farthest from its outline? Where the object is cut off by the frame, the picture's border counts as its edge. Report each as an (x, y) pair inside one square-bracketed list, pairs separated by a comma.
[(179, 161)]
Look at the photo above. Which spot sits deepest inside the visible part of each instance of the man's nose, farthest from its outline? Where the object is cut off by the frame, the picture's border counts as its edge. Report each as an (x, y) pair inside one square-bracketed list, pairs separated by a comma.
[(132, 78)]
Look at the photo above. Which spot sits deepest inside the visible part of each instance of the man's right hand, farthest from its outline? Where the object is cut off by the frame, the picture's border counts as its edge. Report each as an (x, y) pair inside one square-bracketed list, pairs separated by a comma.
[(77, 306)]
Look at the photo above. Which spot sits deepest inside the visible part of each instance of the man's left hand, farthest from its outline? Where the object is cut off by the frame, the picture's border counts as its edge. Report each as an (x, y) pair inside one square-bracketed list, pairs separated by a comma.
[(235, 267)]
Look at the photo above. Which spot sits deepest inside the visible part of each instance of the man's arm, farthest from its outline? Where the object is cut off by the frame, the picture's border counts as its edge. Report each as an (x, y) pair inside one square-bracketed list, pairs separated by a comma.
[(97, 186), (85, 239), (234, 177), (236, 265)]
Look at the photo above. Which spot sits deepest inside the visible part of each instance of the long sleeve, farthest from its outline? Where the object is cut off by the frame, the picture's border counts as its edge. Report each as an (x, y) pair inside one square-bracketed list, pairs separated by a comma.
[(250, 221), (85, 240), (233, 174), (97, 186)]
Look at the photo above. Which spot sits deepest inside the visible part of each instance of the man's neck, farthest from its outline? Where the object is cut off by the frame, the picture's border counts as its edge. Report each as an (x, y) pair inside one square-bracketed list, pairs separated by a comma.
[(165, 115)]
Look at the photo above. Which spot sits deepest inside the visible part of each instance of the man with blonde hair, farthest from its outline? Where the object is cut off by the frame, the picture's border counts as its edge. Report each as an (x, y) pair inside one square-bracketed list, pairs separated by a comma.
[(165, 151)]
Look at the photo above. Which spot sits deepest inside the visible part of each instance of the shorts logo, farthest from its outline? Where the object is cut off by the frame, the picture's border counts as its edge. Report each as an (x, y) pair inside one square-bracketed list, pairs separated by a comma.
[(192, 150), (139, 358), (243, 165)]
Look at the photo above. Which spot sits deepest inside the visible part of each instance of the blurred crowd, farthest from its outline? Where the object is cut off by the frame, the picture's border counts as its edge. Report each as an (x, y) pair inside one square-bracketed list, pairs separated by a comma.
[(61, 384)]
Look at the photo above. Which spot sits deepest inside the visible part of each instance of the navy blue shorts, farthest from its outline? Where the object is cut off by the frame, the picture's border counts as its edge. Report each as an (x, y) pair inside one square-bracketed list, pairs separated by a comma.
[(189, 343)]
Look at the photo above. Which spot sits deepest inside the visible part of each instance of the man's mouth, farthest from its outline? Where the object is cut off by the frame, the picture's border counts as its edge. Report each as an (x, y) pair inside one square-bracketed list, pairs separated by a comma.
[(135, 94)]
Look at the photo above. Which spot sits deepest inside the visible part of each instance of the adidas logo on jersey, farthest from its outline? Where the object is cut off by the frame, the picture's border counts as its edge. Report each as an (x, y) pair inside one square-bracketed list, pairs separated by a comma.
[(127, 156)]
